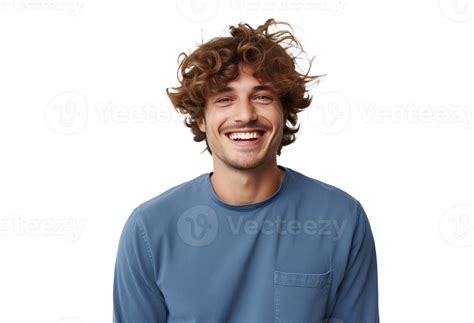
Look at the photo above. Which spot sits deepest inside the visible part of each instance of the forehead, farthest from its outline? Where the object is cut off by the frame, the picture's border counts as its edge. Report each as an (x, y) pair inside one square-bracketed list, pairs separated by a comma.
[(245, 81), (233, 88)]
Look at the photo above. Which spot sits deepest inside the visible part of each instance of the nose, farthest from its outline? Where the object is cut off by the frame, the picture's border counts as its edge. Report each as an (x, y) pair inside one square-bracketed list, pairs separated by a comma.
[(244, 112)]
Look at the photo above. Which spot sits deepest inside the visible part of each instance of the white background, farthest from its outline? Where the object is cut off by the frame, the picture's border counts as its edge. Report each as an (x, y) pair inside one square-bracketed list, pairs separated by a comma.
[(87, 133)]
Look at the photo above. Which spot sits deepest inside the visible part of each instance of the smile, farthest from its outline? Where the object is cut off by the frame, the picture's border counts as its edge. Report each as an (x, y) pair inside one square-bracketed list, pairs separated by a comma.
[(246, 139)]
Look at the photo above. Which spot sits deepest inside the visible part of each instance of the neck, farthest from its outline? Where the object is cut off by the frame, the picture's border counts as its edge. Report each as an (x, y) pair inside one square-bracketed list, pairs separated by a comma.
[(236, 187)]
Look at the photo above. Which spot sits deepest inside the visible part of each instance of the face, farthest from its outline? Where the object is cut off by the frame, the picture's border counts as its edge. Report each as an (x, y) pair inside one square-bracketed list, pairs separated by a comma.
[(244, 106)]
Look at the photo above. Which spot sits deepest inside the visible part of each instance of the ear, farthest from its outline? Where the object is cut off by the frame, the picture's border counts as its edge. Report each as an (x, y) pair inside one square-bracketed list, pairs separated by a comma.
[(201, 124)]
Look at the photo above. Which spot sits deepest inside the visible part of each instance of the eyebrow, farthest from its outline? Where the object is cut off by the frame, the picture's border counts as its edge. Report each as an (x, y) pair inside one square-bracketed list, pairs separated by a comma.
[(254, 89)]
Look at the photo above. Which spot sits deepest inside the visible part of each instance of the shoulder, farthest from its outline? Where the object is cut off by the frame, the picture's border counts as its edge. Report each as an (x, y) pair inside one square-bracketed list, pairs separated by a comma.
[(325, 195), (160, 209)]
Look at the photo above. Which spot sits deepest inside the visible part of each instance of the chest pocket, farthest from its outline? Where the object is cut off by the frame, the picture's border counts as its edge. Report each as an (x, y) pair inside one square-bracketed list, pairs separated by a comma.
[(300, 297)]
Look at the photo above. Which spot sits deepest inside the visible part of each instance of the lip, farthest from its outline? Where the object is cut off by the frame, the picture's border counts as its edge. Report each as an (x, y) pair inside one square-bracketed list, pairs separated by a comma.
[(247, 143), (245, 130)]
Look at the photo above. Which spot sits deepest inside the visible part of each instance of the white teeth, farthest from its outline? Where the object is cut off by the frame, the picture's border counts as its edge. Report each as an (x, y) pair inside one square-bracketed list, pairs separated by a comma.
[(246, 135)]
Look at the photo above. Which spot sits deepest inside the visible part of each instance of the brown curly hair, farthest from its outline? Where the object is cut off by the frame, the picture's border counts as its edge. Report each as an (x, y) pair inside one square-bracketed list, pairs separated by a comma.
[(215, 63)]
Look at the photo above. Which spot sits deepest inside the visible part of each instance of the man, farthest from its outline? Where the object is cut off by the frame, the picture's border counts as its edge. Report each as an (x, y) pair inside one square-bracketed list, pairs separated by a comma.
[(251, 241)]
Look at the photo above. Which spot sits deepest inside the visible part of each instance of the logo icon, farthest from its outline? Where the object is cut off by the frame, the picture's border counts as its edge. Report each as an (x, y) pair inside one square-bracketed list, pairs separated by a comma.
[(66, 113), (198, 226), (456, 226), (330, 113)]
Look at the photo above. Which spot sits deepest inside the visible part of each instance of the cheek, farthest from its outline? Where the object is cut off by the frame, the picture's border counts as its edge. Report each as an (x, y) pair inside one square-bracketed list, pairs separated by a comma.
[(277, 122), (275, 115), (215, 123)]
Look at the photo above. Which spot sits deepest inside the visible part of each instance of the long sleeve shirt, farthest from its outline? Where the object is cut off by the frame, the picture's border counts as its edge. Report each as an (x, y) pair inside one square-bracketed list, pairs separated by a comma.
[(306, 254)]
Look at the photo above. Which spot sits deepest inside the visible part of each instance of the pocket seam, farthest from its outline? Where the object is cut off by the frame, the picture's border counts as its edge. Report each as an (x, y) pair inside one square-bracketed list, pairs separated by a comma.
[(312, 280)]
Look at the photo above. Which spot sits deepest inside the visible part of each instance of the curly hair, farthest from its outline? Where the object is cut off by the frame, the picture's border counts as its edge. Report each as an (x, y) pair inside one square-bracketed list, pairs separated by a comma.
[(215, 63)]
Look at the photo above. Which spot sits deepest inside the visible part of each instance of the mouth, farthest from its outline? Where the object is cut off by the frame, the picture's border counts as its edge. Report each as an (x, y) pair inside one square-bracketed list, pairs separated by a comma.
[(247, 142)]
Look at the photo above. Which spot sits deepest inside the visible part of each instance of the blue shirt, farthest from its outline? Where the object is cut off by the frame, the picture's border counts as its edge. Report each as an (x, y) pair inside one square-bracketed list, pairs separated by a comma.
[(304, 254)]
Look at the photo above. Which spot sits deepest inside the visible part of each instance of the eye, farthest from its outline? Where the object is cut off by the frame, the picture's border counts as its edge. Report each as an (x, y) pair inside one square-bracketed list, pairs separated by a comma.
[(222, 100), (263, 97)]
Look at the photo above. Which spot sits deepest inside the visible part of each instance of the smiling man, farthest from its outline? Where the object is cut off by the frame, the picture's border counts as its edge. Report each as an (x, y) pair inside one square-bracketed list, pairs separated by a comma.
[(252, 240), (244, 126)]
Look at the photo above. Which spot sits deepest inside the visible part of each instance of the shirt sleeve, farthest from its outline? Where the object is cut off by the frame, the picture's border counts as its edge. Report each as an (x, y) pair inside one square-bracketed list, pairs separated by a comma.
[(357, 296), (136, 296)]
